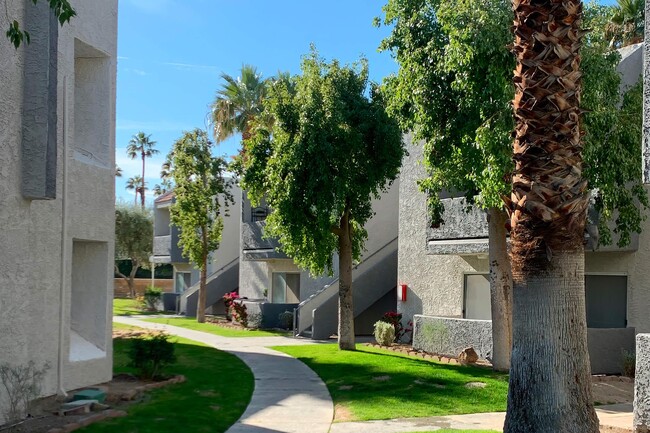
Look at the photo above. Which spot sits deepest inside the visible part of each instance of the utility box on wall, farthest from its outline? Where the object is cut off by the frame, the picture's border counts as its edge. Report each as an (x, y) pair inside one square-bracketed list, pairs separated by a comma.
[(401, 292)]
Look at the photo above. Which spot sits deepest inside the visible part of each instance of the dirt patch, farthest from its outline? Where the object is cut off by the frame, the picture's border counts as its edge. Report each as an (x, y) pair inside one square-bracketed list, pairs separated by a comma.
[(612, 390), (342, 413)]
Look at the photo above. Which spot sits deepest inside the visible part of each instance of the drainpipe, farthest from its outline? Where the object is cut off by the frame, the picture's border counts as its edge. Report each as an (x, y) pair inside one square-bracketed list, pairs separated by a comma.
[(64, 243)]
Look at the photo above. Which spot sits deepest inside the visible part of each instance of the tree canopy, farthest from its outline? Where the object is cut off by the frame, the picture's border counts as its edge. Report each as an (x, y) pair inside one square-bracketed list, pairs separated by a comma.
[(198, 179), (330, 150), (454, 92), (133, 238)]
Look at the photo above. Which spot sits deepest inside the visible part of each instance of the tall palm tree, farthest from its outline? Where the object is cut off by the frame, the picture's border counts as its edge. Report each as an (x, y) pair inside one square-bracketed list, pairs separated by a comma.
[(550, 388), (136, 184), (142, 146), (238, 103), (627, 23)]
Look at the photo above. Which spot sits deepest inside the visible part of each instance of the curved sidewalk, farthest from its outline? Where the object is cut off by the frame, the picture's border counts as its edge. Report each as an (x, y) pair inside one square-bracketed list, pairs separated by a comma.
[(288, 396)]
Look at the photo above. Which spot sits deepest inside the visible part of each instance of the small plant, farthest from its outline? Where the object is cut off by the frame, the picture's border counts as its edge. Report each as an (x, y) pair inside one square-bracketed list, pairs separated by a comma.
[(152, 297), (239, 313), (228, 300), (394, 318), (384, 333), (151, 353), (22, 385), (629, 364), (286, 319)]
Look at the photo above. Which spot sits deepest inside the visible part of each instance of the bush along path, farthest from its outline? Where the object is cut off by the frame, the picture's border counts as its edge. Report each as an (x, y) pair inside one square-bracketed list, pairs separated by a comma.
[(288, 396)]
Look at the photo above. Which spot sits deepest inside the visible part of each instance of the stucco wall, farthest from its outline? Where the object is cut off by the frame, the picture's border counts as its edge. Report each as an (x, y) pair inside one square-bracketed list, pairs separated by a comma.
[(34, 257), (642, 385), (435, 282)]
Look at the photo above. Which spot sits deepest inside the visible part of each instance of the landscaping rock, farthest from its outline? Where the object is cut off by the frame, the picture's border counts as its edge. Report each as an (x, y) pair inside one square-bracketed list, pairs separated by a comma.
[(468, 356), (471, 385)]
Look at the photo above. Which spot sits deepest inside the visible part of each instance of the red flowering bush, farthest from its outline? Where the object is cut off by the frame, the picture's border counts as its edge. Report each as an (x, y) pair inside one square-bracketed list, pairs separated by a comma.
[(239, 313), (228, 300), (395, 319)]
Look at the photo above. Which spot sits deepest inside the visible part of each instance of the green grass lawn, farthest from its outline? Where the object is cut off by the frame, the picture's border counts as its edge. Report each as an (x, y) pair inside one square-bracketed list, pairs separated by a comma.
[(218, 389), (377, 384), (128, 307), (215, 329)]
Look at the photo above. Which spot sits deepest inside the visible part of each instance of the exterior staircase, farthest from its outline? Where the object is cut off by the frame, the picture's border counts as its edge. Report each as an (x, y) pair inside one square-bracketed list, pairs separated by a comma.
[(220, 282), (373, 287)]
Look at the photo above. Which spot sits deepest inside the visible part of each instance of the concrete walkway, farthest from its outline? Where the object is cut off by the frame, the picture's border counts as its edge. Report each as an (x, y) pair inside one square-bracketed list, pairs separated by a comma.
[(290, 397), (614, 419)]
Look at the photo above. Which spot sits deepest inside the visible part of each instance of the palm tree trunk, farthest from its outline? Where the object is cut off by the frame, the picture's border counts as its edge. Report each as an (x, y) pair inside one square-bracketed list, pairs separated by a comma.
[(142, 191), (550, 389), (346, 305), (550, 380), (500, 290)]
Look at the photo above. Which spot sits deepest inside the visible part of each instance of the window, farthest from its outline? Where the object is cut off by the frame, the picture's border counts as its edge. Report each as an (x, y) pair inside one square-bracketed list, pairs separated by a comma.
[(477, 297), (606, 301), (285, 288), (182, 282), (259, 214)]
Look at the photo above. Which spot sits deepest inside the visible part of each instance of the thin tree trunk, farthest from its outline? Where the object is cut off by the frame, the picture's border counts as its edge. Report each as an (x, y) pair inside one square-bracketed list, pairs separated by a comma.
[(346, 306), (500, 290), (142, 192), (200, 306), (134, 269), (549, 371)]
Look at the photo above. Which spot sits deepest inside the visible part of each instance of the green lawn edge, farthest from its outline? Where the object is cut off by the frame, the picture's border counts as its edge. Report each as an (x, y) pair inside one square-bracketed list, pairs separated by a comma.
[(217, 390), (376, 384), (190, 323)]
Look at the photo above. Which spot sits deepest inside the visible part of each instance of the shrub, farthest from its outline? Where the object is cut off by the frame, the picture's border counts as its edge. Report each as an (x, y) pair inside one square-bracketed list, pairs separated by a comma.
[(152, 297), (22, 385), (629, 364), (151, 353), (239, 313), (286, 319), (384, 333), (228, 300), (394, 318)]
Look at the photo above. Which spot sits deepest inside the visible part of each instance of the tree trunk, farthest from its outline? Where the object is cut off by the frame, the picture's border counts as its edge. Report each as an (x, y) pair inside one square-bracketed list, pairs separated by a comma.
[(550, 381), (500, 290), (130, 281), (346, 306), (142, 192), (200, 306), (550, 388)]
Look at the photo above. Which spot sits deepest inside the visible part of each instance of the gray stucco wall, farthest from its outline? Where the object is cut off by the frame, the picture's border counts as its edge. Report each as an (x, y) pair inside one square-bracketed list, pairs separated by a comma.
[(32, 266), (435, 282), (642, 385)]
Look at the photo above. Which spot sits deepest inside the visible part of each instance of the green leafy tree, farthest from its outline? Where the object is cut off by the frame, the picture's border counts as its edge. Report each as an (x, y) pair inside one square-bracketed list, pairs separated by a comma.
[(133, 240), (199, 185), (330, 150), (141, 146), (454, 91), (61, 9)]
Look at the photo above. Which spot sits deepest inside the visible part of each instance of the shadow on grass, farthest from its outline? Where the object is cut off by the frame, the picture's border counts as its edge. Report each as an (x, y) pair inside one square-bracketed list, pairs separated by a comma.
[(374, 384)]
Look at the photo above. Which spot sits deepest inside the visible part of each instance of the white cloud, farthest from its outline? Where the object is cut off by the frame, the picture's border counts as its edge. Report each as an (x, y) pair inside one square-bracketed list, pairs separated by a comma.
[(161, 125), (139, 72), (192, 67)]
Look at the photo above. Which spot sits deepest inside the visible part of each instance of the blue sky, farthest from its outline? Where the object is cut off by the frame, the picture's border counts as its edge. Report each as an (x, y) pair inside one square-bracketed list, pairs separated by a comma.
[(171, 53)]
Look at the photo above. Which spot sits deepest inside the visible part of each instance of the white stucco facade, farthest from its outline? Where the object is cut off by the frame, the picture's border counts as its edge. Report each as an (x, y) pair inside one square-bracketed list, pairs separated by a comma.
[(57, 197)]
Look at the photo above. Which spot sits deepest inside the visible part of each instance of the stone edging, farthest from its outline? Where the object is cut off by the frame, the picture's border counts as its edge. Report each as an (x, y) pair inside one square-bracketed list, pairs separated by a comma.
[(408, 350), (114, 413)]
